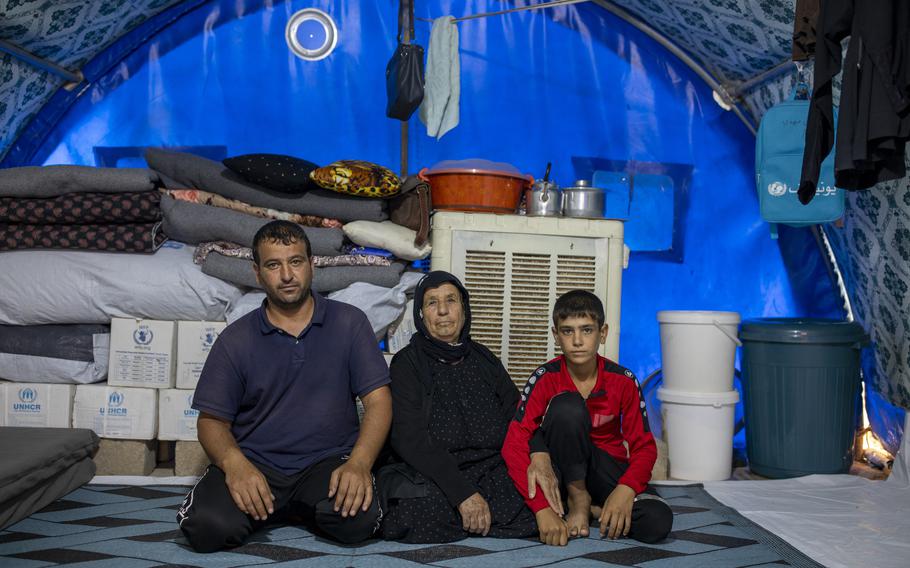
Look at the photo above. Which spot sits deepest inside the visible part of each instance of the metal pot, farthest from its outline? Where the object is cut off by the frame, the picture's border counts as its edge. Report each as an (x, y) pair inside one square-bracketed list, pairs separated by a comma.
[(582, 200), (544, 199)]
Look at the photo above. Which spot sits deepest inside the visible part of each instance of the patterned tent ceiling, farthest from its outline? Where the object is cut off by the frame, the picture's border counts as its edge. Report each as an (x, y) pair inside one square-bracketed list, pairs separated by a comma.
[(732, 39)]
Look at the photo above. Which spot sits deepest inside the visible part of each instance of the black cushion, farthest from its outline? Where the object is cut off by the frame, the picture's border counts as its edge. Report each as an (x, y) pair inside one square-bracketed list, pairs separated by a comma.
[(286, 174)]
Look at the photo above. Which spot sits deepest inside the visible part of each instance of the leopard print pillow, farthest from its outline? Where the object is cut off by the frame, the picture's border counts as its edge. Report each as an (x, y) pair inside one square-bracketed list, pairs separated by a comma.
[(356, 177)]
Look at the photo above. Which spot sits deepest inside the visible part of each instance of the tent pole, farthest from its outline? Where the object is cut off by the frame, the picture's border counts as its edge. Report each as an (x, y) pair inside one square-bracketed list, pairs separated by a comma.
[(404, 16), (404, 148), (761, 78), (41, 63), (682, 55)]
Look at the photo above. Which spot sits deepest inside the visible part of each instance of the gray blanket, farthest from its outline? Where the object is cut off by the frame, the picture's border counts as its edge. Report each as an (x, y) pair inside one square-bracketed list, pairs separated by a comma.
[(190, 171), (51, 181), (195, 223), (327, 279), (40, 465), (73, 342)]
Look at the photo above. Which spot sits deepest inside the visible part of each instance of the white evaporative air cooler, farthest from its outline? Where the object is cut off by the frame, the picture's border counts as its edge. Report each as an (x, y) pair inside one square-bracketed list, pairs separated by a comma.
[(515, 267)]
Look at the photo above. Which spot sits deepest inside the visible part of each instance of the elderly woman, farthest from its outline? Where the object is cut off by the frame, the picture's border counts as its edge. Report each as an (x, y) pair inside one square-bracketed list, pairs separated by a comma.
[(452, 402)]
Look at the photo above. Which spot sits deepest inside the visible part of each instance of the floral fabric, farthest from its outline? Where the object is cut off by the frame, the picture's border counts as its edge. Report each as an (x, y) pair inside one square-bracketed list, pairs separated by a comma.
[(207, 198)]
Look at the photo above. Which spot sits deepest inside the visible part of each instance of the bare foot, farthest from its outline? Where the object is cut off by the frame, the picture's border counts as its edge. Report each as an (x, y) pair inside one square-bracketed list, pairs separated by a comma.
[(596, 510), (579, 513)]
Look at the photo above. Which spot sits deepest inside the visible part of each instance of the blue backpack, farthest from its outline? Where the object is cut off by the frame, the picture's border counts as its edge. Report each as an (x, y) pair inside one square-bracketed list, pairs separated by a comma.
[(778, 164)]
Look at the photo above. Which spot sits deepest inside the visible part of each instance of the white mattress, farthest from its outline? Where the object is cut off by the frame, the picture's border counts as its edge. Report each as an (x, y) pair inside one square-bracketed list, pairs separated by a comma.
[(841, 521)]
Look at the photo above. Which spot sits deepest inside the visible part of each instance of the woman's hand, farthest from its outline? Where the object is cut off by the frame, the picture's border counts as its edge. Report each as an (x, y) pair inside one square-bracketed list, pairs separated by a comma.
[(553, 530), (475, 515), (616, 518), (540, 472)]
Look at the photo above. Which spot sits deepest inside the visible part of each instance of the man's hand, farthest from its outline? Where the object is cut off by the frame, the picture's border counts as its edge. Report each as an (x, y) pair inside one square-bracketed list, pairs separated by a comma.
[(248, 487), (540, 472), (352, 486), (475, 514), (616, 517), (553, 530)]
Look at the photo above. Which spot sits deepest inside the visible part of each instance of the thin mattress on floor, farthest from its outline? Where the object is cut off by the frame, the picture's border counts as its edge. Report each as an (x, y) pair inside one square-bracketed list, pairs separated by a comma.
[(41, 465)]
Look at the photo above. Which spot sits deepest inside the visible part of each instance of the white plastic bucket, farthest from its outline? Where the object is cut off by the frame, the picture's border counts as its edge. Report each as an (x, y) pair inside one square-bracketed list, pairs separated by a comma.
[(698, 430), (698, 350)]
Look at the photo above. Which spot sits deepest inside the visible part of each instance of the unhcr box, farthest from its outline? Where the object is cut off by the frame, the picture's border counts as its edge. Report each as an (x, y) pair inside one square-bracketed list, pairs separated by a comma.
[(116, 412), (194, 341), (176, 417), (36, 405), (142, 353)]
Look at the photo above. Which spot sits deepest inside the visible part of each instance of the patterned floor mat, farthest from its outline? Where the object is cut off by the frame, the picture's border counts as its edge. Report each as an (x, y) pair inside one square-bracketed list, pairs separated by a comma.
[(134, 527)]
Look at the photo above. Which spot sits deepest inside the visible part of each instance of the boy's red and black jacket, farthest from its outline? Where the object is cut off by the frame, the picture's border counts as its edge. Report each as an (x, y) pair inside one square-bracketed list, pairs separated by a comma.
[(618, 418)]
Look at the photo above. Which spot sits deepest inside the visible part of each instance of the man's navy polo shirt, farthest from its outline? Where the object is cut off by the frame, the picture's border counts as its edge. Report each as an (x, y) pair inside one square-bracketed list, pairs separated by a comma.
[(290, 400)]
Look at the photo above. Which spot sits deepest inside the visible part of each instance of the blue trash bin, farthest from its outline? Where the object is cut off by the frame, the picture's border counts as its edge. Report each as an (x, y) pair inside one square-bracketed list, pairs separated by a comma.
[(801, 388)]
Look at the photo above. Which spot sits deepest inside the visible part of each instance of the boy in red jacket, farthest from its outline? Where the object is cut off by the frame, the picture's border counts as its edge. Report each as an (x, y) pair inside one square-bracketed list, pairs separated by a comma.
[(582, 426)]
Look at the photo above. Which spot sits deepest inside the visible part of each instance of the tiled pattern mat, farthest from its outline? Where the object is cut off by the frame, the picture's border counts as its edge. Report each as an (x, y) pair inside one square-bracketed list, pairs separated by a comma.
[(134, 527)]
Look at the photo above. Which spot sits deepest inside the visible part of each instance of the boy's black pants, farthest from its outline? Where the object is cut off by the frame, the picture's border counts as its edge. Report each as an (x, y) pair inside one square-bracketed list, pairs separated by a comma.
[(211, 521), (566, 430)]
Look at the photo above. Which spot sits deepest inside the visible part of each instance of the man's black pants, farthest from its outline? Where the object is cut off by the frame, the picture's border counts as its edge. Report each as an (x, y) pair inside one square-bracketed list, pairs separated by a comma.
[(211, 521), (566, 430)]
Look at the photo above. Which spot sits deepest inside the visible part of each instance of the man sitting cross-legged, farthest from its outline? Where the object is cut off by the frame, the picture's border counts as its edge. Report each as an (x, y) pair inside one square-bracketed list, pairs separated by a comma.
[(277, 412)]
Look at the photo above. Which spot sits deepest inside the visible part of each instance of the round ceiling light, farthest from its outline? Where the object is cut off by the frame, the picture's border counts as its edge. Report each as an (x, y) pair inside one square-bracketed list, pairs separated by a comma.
[(311, 34)]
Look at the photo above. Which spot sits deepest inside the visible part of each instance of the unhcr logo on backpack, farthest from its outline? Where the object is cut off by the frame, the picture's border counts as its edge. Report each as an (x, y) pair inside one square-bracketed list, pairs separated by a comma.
[(28, 401), (777, 188), (114, 405)]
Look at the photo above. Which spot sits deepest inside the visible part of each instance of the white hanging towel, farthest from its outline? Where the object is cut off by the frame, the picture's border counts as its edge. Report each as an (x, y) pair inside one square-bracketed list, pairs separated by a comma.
[(439, 110)]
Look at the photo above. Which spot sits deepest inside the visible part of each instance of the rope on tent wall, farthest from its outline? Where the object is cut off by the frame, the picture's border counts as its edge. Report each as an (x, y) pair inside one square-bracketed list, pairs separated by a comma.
[(831, 261), (721, 93), (552, 4)]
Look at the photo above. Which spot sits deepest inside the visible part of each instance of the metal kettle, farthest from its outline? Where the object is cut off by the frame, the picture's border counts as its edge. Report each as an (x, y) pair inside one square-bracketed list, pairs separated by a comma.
[(544, 198)]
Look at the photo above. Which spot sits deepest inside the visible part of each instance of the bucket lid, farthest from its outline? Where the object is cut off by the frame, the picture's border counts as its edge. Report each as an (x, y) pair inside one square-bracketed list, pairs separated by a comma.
[(475, 166), (803, 330), (697, 317), (698, 398)]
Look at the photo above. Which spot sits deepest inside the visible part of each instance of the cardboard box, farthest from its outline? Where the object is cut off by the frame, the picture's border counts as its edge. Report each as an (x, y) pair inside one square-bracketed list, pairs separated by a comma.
[(142, 353), (189, 459), (176, 417), (36, 405), (125, 457), (194, 341), (116, 412)]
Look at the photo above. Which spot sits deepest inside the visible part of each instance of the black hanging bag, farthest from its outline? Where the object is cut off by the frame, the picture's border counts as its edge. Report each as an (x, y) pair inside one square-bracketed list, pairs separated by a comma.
[(404, 73)]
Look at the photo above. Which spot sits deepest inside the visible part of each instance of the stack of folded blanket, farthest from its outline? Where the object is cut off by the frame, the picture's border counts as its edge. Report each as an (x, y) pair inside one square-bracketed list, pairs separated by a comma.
[(56, 306), (78, 207), (220, 207)]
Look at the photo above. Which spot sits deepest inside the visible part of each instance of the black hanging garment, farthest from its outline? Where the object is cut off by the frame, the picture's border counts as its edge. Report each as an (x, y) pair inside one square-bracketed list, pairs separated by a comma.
[(804, 29), (404, 72), (874, 116)]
